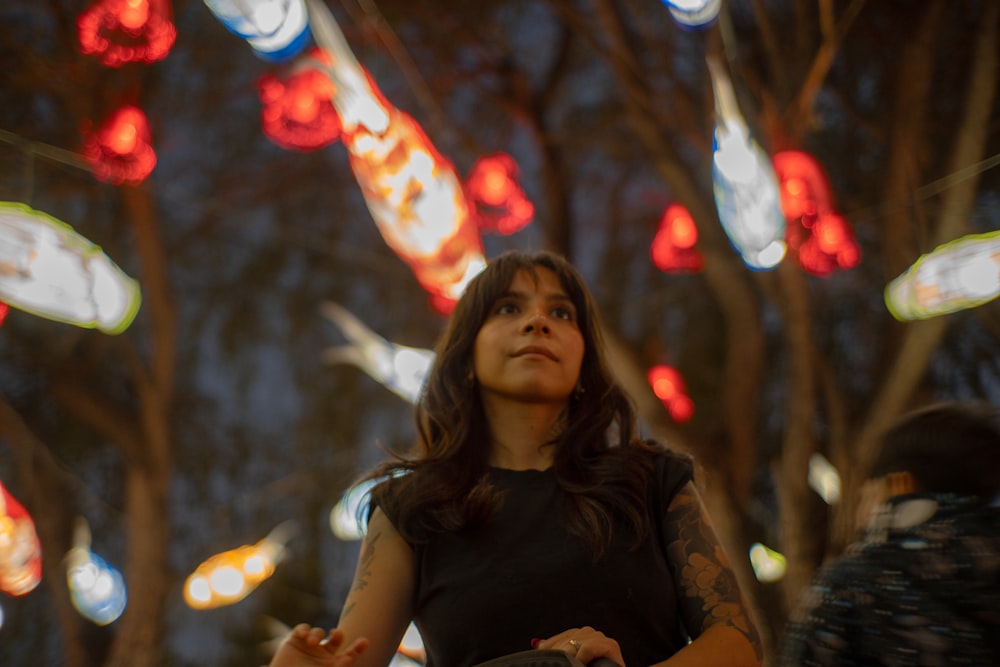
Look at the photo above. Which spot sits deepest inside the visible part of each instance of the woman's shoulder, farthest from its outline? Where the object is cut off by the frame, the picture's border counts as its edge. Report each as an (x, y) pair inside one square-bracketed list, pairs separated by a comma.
[(668, 468), (658, 455)]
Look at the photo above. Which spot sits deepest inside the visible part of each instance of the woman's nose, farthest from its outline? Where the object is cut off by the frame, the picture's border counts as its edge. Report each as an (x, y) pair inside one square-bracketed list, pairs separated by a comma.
[(536, 322)]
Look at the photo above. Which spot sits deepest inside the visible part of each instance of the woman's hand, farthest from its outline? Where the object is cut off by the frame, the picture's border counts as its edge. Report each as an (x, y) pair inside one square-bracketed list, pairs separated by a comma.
[(306, 646), (585, 644)]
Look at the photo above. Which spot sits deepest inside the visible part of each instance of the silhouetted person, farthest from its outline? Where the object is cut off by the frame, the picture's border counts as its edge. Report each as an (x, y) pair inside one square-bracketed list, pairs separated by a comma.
[(922, 586)]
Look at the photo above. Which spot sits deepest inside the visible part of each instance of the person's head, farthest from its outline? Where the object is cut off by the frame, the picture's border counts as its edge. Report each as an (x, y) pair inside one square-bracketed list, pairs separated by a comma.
[(450, 412), (944, 448)]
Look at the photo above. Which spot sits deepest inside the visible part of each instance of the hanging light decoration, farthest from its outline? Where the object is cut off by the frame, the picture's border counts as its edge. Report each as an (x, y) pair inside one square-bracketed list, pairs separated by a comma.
[(230, 576), (97, 590), (49, 270), (821, 239), (694, 13), (768, 565), (411, 646), (400, 368), (498, 201), (824, 479), (673, 248), (960, 274), (120, 151), (20, 549), (345, 517), (298, 112), (277, 30), (126, 31), (744, 183), (412, 192), (668, 386)]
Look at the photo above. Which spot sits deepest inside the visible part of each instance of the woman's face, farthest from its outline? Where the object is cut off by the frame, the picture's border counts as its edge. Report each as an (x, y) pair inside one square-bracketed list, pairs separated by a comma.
[(530, 347)]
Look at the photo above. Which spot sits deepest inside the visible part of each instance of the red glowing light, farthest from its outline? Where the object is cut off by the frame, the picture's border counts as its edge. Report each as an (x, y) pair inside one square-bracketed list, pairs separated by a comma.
[(668, 386), (120, 151), (673, 246), (665, 381), (496, 197), (125, 31), (20, 549), (298, 113), (681, 408), (4, 309), (822, 238)]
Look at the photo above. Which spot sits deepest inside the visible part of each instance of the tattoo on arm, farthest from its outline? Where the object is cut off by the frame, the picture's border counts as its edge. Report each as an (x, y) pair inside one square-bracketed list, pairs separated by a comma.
[(709, 594), (363, 574)]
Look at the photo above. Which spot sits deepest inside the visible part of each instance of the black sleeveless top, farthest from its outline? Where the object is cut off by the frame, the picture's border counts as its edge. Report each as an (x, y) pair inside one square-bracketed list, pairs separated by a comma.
[(486, 592)]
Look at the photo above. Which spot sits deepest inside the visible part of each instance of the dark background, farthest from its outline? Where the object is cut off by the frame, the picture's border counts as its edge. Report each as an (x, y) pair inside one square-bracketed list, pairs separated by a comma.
[(213, 418)]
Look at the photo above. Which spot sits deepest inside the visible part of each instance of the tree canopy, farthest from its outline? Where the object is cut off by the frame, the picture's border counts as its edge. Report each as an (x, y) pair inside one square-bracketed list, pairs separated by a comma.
[(213, 417)]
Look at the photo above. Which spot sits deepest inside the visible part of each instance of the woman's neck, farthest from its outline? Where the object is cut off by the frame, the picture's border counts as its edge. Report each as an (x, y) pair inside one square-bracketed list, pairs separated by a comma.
[(520, 434)]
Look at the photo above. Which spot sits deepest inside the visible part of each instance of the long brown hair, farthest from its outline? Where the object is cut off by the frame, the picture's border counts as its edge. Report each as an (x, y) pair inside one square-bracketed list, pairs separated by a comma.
[(598, 459)]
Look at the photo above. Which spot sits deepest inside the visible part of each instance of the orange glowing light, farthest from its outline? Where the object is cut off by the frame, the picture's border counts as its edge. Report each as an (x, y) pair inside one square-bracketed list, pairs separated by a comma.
[(668, 386), (120, 151), (230, 576), (20, 549), (498, 201), (673, 248), (412, 192), (298, 112), (124, 31), (823, 239), (418, 205), (134, 14)]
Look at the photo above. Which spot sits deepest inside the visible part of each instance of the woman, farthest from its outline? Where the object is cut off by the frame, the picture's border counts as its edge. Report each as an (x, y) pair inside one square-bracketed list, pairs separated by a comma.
[(533, 516)]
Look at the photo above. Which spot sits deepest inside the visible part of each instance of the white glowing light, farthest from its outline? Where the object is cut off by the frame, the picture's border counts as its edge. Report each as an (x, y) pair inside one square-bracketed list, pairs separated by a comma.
[(768, 565), (694, 13), (97, 590), (198, 589), (824, 479), (960, 274), (400, 368), (226, 580), (411, 646), (276, 29), (744, 182), (49, 270), (255, 565), (345, 518), (355, 101)]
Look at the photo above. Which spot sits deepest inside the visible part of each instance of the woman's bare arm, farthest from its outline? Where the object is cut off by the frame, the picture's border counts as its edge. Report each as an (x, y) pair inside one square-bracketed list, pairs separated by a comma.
[(712, 606), (379, 605)]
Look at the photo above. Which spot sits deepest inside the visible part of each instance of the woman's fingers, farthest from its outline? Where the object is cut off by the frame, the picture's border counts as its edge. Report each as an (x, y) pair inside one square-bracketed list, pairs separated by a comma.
[(353, 650), (585, 644), (317, 641)]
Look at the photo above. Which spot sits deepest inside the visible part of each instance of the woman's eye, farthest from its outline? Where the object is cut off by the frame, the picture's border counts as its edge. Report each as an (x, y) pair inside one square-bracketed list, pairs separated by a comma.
[(562, 313), (506, 309)]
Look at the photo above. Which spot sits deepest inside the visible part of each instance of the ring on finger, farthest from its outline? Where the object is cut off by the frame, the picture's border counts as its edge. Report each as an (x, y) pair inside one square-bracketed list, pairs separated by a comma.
[(575, 644)]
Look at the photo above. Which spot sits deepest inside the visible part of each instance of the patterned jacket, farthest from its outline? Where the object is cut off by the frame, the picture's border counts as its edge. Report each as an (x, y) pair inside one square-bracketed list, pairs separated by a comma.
[(922, 588)]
